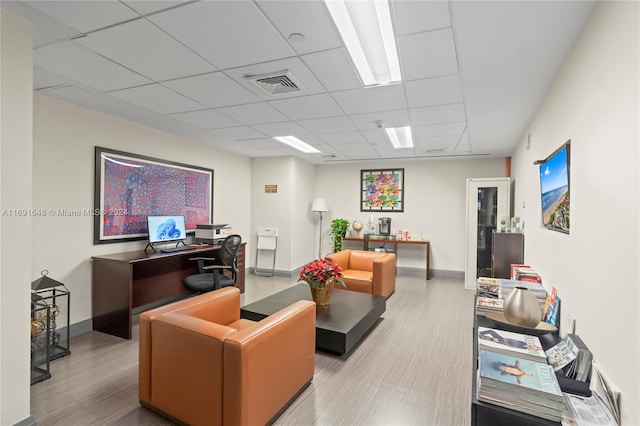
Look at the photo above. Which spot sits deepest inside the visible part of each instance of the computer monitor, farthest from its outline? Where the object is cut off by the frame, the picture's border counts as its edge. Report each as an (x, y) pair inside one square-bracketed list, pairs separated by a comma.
[(165, 229)]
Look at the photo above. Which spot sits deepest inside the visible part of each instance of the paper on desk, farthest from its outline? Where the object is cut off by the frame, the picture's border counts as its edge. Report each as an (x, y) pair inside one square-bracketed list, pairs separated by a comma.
[(602, 386)]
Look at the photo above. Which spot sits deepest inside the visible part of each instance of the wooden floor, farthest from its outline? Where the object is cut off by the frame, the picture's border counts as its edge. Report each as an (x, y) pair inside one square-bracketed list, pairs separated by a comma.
[(413, 368)]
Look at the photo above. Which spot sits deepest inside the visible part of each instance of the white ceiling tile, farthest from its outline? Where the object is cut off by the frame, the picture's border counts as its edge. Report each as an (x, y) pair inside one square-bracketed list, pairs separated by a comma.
[(299, 71), (371, 99), (356, 147), (227, 33), (256, 113), (144, 7), (43, 79), (396, 118), (309, 18), (205, 119), (85, 16), (213, 90), (84, 66), (434, 91), (449, 129), (288, 128), (142, 47), (418, 16), (429, 54), (235, 134), (328, 125), (420, 139), (426, 116), (341, 138), (157, 98), (334, 69), (313, 106)]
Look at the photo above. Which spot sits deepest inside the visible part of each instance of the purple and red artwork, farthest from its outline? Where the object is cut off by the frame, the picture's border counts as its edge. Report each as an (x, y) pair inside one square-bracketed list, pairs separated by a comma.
[(382, 190), (132, 189)]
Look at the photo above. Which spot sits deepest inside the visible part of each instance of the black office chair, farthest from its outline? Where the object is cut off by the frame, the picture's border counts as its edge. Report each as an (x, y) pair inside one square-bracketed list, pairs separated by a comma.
[(227, 259)]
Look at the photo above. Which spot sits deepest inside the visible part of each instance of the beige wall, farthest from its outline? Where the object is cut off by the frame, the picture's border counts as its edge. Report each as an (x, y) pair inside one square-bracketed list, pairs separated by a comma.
[(16, 147), (594, 102), (64, 139)]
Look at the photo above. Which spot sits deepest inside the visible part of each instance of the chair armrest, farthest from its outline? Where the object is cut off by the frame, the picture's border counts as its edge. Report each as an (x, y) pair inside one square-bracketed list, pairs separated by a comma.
[(384, 275), (223, 304), (187, 367), (341, 258), (217, 267), (202, 258), (276, 358)]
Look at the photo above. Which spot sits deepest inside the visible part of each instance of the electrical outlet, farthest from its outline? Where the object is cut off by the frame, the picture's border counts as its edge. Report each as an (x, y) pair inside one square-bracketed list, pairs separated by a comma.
[(572, 324)]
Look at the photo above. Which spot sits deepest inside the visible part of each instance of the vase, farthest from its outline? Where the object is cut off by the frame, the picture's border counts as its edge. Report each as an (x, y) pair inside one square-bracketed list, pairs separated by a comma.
[(521, 308), (321, 294)]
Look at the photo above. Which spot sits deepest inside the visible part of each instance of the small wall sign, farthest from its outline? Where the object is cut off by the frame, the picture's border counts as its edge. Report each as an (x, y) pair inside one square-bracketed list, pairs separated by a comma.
[(270, 189)]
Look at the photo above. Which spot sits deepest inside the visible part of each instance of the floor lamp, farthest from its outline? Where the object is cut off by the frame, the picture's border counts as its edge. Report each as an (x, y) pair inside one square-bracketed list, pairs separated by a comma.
[(320, 205)]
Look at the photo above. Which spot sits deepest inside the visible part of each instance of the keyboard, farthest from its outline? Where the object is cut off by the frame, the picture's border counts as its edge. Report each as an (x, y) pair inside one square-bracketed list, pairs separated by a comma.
[(175, 249)]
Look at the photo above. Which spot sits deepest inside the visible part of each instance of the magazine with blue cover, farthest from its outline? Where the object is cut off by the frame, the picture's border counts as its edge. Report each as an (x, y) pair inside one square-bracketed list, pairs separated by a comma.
[(514, 371)]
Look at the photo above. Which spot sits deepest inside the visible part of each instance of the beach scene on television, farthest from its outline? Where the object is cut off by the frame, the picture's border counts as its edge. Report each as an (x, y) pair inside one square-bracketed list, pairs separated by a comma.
[(554, 182)]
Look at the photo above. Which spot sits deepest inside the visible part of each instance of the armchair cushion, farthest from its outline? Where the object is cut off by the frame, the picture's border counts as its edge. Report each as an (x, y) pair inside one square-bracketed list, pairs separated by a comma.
[(367, 271)]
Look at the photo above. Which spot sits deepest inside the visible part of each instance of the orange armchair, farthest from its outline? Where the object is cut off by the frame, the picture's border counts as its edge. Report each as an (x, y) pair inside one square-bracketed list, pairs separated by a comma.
[(367, 271), (201, 364)]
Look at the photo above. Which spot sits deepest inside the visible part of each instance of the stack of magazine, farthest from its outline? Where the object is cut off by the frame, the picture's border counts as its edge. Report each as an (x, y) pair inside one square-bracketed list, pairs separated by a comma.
[(489, 304), (510, 343), (507, 286), (519, 384)]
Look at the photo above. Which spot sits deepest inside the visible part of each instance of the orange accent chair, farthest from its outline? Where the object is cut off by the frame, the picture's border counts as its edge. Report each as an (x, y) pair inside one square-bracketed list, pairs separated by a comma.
[(201, 364), (367, 271)]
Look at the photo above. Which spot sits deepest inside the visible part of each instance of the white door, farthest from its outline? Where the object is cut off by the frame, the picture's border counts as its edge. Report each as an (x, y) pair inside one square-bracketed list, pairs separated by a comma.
[(488, 200)]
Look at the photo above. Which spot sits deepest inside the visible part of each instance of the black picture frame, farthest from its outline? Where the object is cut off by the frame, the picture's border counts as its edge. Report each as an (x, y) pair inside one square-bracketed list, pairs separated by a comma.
[(382, 190)]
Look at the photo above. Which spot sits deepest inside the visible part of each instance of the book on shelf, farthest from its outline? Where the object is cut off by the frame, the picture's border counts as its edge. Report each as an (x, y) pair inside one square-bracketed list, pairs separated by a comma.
[(514, 266), (488, 287), (519, 384), (549, 305), (602, 386), (511, 343), (489, 304)]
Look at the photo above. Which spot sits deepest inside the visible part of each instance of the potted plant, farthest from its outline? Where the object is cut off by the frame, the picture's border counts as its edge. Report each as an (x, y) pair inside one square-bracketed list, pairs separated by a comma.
[(321, 275), (338, 231)]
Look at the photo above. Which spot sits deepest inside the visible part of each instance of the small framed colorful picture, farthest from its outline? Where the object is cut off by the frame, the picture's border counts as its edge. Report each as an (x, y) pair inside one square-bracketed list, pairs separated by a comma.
[(382, 190)]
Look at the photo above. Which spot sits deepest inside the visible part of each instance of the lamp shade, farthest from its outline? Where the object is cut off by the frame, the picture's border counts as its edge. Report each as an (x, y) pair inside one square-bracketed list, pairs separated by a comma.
[(319, 205)]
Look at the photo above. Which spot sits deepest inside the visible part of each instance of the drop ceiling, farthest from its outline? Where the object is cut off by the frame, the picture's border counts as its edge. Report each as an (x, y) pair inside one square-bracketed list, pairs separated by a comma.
[(473, 72)]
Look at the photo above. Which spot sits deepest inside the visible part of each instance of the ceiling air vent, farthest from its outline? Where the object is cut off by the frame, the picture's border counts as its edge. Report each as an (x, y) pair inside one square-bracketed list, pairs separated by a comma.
[(276, 83), (434, 150)]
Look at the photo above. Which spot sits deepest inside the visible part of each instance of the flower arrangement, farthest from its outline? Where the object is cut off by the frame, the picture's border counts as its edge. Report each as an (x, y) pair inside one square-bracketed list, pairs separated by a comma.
[(318, 272)]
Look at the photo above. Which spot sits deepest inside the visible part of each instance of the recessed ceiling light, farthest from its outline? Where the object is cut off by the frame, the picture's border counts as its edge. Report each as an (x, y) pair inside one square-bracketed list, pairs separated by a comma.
[(400, 137), (296, 143)]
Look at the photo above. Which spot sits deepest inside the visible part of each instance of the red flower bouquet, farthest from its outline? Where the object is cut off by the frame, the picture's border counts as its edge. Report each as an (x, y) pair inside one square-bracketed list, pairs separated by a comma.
[(320, 271)]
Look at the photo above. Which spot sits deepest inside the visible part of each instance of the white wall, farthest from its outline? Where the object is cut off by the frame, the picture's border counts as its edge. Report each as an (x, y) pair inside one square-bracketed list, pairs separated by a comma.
[(63, 177), (16, 145), (435, 197), (288, 210), (595, 103)]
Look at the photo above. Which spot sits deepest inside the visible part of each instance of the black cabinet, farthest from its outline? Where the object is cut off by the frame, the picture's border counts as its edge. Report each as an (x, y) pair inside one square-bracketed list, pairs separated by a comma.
[(507, 248)]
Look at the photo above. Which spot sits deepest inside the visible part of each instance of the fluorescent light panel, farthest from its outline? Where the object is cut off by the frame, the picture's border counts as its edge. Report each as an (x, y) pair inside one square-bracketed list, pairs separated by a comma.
[(400, 137), (367, 32), (296, 143)]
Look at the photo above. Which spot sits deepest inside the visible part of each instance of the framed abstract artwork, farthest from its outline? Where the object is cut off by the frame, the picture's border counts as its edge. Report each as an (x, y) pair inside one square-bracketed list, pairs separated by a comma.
[(382, 190), (130, 187)]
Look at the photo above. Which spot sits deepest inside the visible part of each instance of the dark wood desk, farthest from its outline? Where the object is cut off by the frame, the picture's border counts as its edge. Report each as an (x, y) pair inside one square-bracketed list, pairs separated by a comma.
[(339, 326), (367, 240), (124, 281)]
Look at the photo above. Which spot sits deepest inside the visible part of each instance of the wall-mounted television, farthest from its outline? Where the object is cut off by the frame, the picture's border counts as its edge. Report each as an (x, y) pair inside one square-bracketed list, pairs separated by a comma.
[(165, 229), (554, 189)]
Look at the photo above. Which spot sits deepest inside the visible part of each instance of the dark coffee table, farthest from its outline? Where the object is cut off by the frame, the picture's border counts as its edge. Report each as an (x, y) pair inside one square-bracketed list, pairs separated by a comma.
[(339, 326)]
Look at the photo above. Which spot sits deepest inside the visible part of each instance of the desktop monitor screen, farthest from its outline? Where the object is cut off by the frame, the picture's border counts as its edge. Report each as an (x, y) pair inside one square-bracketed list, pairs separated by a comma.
[(163, 229)]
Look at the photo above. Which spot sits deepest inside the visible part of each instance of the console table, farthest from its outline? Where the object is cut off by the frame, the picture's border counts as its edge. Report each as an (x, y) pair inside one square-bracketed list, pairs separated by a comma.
[(124, 281), (366, 240)]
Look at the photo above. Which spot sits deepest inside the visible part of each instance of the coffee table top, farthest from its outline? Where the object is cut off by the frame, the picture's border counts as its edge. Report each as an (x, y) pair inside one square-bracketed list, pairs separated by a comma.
[(346, 310)]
